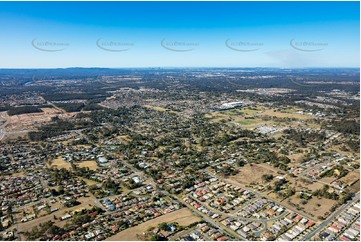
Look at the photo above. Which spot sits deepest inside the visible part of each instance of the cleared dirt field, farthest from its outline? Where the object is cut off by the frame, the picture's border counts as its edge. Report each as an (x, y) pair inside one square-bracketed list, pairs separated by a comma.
[(351, 177), (51, 110), (59, 163), (89, 182), (249, 174), (28, 121), (91, 164), (327, 179), (356, 187), (182, 216)]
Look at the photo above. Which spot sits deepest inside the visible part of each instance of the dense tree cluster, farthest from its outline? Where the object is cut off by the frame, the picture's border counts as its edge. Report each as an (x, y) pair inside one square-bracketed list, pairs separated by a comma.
[(344, 126), (45, 231), (23, 109), (303, 137)]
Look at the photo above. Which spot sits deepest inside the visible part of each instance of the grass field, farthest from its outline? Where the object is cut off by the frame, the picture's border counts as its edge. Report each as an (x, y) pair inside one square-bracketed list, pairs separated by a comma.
[(270, 112), (296, 158), (217, 116), (259, 116), (249, 174), (60, 163), (91, 164), (89, 182), (315, 207), (182, 216), (249, 111), (248, 122)]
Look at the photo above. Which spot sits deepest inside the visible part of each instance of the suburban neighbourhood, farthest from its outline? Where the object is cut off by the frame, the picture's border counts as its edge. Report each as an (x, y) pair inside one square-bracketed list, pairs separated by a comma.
[(170, 162)]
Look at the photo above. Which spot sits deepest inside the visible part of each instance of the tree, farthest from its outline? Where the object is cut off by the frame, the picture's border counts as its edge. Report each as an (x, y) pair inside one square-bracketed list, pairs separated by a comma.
[(157, 237), (164, 226), (267, 177), (241, 163)]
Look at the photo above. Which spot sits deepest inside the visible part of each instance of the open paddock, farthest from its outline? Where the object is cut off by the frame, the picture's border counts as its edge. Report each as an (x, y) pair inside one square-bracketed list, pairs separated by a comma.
[(278, 114), (86, 202), (315, 206), (28, 121), (91, 164), (351, 178), (183, 217), (59, 163), (252, 173)]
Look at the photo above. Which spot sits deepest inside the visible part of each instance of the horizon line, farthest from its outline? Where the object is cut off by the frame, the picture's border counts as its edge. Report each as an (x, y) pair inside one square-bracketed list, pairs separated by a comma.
[(182, 67)]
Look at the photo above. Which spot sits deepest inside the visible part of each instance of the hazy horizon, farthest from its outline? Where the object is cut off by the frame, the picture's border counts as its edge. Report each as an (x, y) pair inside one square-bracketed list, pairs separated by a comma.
[(176, 67)]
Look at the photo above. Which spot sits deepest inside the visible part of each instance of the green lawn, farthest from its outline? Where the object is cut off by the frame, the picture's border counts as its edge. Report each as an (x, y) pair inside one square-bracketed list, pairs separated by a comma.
[(249, 111), (247, 122)]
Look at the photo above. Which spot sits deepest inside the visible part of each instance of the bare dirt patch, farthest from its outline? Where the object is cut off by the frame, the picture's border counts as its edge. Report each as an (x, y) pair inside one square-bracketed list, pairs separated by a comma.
[(327, 179), (351, 177), (296, 158), (25, 122), (59, 163), (356, 186), (91, 164), (89, 182), (314, 186), (250, 174), (182, 216)]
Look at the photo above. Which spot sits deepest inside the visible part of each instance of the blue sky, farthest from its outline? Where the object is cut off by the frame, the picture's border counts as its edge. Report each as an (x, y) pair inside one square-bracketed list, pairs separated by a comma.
[(179, 34)]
